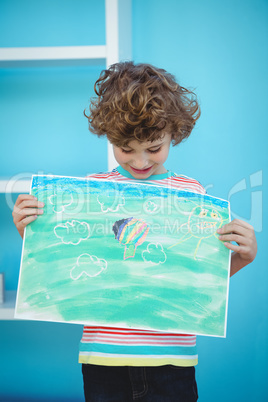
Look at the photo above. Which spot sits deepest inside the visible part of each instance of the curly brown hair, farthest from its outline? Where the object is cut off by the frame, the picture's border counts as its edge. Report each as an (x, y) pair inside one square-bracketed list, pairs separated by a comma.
[(141, 102)]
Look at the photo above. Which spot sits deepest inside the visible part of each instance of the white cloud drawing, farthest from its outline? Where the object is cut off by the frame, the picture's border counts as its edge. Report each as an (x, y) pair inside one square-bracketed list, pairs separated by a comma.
[(60, 201), (150, 207), (72, 232), (154, 254), (110, 202), (88, 265)]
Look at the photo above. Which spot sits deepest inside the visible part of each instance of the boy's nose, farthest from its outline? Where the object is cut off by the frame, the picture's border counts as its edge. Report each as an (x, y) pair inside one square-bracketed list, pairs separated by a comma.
[(140, 162)]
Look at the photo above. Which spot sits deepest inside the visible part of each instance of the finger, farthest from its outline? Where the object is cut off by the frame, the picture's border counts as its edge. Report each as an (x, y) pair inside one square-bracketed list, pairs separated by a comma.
[(24, 222), (243, 224), (234, 237), (243, 251), (30, 211), (238, 223), (20, 210), (31, 203), (23, 197), (22, 213), (235, 247), (233, 227)]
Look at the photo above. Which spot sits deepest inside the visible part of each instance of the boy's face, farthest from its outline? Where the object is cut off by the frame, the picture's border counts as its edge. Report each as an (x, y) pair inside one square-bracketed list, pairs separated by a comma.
[(143, 159)]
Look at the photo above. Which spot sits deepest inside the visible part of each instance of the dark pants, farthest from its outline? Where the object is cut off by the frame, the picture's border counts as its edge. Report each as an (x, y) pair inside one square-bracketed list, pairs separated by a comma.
[(142, 384)]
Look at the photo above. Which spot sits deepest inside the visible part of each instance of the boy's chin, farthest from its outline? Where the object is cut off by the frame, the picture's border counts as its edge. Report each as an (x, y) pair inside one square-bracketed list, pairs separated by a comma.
[(142, 174)]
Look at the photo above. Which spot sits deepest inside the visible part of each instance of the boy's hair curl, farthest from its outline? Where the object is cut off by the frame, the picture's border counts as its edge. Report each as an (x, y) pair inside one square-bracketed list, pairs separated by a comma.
[(141, 102)]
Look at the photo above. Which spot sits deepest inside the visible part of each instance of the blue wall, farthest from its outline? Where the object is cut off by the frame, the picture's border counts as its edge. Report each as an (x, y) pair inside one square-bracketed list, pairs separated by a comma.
[(218, 48), (43, 130)]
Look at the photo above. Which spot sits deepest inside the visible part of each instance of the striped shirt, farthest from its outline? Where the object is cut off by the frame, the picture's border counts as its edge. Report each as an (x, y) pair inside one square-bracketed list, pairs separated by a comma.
[(132, 347)]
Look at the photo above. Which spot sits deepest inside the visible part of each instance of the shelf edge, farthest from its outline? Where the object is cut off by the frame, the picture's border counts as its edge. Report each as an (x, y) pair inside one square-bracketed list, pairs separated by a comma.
[(52, 53)]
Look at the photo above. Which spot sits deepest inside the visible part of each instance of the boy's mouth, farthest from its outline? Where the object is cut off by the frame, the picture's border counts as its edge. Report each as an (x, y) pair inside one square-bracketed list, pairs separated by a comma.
[(141, 171)]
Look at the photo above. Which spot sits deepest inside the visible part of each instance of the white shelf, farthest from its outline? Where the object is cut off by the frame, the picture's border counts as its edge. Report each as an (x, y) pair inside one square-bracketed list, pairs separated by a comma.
[(7, 309), (15, 186), (118, 42), (50, 56), (52, 53), (118, 46)]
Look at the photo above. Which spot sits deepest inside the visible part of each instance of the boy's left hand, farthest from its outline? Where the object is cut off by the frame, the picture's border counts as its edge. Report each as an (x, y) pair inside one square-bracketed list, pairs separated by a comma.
[(243, 234)]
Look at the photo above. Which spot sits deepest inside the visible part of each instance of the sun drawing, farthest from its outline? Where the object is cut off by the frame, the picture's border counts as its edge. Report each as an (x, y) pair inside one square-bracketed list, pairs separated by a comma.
[(202, 223)]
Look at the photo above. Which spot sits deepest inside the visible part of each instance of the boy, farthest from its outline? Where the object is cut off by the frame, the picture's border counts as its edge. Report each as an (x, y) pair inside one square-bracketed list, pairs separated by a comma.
[(142, 110)]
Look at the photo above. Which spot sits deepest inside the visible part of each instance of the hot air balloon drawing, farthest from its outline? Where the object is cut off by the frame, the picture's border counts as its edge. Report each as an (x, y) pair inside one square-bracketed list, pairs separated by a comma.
[(130, 232)]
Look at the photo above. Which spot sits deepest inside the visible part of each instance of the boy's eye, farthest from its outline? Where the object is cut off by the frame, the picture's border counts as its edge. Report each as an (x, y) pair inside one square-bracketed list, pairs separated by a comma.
[(151, 151), (126, 151), (154, 151)]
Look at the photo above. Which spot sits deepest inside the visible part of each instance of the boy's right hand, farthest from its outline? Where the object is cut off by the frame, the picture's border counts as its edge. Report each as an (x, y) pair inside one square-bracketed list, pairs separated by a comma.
[(26, 210)]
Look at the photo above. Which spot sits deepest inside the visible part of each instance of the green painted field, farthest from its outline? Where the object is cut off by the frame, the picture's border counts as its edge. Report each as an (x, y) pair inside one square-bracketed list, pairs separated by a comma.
[(127, 255)]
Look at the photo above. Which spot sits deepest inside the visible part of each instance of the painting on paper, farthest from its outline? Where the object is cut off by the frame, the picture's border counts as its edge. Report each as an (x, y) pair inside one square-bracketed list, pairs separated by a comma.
[(126, 255)]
